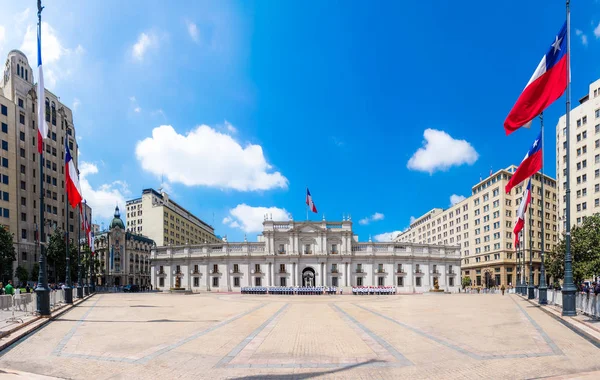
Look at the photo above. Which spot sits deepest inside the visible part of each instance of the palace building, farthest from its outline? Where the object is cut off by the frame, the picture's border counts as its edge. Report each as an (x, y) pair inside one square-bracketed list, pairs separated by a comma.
[(308, 253)]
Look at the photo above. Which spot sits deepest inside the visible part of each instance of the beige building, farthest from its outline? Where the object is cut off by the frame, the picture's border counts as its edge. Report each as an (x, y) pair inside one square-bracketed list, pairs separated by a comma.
[(584, 158), (482, 225), (161, 219), (19, 166)]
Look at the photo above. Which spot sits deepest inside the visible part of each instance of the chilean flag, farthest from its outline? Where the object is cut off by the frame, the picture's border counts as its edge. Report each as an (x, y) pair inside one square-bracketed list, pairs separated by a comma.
[(530, 165), (72, 179), (521, 212), (309, 201), (42, 126), (547, 84)]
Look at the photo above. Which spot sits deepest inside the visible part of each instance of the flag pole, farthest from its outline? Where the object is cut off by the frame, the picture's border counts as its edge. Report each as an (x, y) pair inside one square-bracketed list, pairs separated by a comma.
[(41, 290), (543, 288), (568, 292), (68, 286), (79, 288), (530, 288)]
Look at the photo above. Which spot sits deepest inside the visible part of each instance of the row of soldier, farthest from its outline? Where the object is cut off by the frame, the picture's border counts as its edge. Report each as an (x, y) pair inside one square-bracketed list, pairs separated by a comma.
[(373, 290), (299, 290)]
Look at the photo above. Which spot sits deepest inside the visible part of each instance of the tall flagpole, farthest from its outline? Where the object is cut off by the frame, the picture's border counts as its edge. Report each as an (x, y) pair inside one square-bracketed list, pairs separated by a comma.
[(568, 292), (543, 288), (79, 288), (41, 290), (68, 286), (530, 288)]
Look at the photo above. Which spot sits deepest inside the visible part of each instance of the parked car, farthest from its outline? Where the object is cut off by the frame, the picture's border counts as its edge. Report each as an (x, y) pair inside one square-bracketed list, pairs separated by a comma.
[(131, 288)]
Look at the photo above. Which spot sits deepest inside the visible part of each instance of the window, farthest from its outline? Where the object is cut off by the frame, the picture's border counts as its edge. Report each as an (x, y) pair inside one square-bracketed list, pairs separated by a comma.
[(256, 268), (4, 127), (282, 281), (22, 119), (20, 102), (282, 269), (22, 152), (236, 282), (215, 282), (359, 281), (5, 162), (418, 281), (257, 281), (380, 281), (236, 268), (215, 268), (196, 281), (161, 282), (4, 110)]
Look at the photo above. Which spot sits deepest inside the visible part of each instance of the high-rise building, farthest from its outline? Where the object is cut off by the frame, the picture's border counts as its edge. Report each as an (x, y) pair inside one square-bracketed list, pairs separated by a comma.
[(584, 158), (20, 165), (161, 219), (482, 225)]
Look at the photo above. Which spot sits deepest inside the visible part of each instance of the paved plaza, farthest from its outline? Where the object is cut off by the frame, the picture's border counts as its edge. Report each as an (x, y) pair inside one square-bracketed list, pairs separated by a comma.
[(164, 336)]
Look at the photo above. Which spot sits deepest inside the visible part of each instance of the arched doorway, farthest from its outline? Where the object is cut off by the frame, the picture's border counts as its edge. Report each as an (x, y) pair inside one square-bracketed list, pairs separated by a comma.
[(308, 277), (489, 280)]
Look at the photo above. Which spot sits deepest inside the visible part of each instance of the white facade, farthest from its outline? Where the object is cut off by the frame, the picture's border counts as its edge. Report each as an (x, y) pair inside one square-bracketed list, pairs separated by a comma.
[(303, 254)]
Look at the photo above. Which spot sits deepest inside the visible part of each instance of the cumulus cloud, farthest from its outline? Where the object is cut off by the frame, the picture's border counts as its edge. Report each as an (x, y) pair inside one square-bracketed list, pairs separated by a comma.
[(597, 31), (386, 236), (250, 219), (103, 198), (373, 218), (193, 31), (583, 36), (440, 152), (454, 199), (144, 43), (59, 61), (207, 157)]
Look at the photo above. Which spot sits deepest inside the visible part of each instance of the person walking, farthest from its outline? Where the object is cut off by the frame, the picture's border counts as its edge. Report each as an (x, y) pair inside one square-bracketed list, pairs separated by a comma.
[(9, 289)]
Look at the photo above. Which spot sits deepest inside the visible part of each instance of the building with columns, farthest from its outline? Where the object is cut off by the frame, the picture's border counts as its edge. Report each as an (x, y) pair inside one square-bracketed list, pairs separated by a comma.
[(308, 253)]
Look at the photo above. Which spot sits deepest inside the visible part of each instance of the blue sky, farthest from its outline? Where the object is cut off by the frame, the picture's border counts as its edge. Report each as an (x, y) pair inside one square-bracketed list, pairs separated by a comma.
[(241, 105)]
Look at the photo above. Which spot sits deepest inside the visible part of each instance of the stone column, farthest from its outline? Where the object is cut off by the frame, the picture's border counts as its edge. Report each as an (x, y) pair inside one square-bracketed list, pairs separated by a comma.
[(346, 275), (322, 274), (228, 276), (298, 278), (208, 276)]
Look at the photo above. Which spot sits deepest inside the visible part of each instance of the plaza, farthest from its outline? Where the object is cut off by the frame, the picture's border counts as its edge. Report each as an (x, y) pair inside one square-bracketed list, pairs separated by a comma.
[(157, 335)]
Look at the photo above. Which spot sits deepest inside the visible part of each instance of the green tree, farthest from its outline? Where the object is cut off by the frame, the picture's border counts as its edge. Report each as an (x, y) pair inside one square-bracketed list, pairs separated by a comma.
[(466, 281), (35, 270), (7, 254), (585, 251), (56, 257), (22, 274)]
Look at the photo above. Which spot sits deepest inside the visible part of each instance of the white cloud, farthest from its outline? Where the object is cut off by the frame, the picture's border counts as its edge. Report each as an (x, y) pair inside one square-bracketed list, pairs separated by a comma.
[(441, 152), (59, 61), (454, 199), (144, 42), (386, 236), (207, 157), (105, 197), (597, 31), (76, 104), (193, 31), (134, 104), (230, 128), (584, 39), (337, 142), (21, 17), (137, 110), (412, 219), (250, 219), (373, 218)]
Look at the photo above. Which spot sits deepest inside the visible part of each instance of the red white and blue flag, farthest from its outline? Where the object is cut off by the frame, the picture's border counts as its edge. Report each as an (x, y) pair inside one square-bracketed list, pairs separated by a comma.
[(531, 164), (72, 179), (547, 84), (309, 201), (522, 212), (42, 126)]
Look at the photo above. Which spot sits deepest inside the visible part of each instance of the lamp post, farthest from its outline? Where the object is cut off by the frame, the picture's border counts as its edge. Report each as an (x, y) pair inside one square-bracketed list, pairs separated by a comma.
[(543, 289), (530, 288)]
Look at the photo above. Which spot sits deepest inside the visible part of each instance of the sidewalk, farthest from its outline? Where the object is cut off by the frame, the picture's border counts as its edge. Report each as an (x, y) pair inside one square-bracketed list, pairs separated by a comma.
[(13, 331), (581, 324)]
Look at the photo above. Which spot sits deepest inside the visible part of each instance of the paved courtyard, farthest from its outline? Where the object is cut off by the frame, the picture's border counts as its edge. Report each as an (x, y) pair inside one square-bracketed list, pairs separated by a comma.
[(163, 336)]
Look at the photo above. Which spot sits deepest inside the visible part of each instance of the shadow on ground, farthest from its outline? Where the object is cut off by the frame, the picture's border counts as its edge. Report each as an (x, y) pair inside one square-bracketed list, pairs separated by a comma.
[(307, 375)]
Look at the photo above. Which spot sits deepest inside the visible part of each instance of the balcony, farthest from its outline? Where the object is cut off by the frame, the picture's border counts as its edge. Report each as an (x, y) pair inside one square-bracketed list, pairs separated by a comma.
[(212, 271), (334, 271), (236, 271), (418, 271), (380, 270), (282, 271), (308, 252), (359, 270), (333, 252), (451, 273), (195, 271), (281, 252), (435, 271), (400, 271)]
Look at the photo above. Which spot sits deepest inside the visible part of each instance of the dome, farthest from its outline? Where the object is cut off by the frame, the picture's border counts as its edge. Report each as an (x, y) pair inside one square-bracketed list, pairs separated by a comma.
[(117, 221)]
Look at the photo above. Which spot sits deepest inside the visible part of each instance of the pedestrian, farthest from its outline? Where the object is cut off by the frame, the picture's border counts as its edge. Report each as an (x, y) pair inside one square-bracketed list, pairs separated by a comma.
[(9, 290), (27, 289)]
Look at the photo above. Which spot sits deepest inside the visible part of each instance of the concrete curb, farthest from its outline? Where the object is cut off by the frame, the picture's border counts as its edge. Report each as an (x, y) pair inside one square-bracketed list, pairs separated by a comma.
[(579, 327), (44, 321)]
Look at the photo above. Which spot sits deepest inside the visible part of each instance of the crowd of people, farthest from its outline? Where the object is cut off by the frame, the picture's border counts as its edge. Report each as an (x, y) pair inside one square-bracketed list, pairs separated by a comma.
[(373, 290), (298, 290)]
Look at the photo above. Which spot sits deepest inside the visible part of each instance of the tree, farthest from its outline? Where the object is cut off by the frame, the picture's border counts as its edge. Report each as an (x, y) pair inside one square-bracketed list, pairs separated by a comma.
[(56, 254), (585, 251), (35, 270), (22, 274), (7, 254), (466, 281)]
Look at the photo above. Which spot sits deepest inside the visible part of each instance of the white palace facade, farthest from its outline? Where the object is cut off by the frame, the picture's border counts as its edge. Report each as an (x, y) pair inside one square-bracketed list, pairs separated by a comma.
[(305, 253)]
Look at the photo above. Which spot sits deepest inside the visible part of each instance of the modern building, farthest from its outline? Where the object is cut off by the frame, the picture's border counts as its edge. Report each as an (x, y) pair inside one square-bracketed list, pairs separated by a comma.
[(482, 225), (306, 254), (163, 220), (584, 158), (20, 161), (124, 256)]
